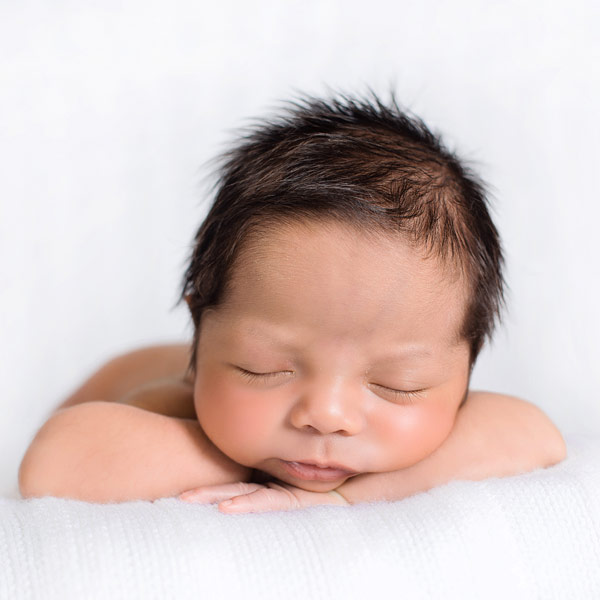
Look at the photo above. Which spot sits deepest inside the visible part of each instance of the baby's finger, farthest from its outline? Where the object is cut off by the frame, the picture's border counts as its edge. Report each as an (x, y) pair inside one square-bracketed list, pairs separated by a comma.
[(209, 494), (262, 500)]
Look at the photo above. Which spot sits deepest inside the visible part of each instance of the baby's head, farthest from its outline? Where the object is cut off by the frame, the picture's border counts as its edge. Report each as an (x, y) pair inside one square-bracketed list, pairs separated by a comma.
[(343, 282)]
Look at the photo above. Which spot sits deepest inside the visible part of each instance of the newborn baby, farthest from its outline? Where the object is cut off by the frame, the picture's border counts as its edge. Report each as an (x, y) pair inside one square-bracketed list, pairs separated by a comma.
[(341, 288)]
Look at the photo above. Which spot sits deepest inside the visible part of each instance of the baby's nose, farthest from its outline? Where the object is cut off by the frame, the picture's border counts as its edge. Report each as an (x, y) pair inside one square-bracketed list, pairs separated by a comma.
[(329, 409)]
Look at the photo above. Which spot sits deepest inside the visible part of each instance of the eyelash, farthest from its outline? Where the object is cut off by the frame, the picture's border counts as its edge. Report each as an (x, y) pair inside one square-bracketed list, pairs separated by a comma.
[(252, 376), (408, 396)]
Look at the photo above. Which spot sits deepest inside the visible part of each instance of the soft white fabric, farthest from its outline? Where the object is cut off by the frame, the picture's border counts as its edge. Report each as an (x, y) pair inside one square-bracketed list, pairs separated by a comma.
[(536, 535)]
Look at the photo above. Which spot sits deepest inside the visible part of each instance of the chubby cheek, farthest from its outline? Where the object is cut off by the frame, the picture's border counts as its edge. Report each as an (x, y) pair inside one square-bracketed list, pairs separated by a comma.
[(409, 434), (237, 420)]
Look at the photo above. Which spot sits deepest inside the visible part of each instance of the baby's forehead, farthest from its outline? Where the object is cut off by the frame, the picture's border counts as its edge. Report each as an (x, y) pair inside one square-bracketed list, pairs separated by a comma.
[(286, 239), (341, 275), (268, 343)]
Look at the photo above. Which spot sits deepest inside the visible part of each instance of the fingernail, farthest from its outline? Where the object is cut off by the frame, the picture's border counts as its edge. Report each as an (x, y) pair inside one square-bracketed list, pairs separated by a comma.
[(227, 503)]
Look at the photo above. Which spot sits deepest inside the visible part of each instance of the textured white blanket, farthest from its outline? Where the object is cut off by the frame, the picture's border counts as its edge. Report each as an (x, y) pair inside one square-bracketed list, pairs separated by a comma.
[(532, 536)]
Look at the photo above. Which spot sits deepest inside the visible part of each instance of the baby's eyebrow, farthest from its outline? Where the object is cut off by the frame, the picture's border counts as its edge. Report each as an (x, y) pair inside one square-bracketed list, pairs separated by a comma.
[(267, 332), (286, 340), (406, 352), (420, 352)]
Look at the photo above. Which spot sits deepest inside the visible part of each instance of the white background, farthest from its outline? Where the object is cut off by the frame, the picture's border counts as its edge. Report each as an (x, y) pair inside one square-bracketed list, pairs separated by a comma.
[(108, 112)]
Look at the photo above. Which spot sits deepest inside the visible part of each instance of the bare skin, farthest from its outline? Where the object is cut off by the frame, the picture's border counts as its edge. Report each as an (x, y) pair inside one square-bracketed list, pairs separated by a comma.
[(136, 435), (117, 397), (123, 379), (475, 450), (364, 400)]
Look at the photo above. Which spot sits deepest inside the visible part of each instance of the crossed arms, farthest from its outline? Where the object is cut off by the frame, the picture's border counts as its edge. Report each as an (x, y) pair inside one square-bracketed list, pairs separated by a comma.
[(149, 445)]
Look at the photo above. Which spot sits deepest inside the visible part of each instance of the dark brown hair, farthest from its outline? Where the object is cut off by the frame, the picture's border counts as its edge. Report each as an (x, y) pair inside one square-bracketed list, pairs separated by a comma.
[(363, 162)]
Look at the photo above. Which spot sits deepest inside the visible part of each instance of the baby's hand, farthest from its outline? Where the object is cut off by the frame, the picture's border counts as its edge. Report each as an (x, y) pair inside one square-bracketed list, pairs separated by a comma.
[(244, 497)]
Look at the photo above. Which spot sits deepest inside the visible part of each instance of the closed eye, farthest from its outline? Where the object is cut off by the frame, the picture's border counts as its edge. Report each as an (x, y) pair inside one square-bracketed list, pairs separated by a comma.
[(407, 396), (253, 375)]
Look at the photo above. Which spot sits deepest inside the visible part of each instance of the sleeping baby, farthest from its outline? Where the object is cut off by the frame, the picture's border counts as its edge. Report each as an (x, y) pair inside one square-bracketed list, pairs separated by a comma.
[(341, 288)]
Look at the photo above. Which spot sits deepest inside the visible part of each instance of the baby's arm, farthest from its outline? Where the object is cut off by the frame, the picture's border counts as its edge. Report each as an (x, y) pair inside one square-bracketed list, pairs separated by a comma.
[(110, 452), (100, 446), (493, 436)]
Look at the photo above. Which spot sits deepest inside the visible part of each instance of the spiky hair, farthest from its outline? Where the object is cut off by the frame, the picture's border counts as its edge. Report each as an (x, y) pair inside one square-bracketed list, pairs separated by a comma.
[(364, 162)]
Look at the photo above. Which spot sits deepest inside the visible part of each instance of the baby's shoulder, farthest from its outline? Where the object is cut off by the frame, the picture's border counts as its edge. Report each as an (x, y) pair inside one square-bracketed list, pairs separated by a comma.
[(507, 411)]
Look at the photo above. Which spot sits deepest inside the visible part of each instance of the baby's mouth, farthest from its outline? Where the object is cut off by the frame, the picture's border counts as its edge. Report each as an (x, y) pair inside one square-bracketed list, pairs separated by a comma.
[(312, 472)]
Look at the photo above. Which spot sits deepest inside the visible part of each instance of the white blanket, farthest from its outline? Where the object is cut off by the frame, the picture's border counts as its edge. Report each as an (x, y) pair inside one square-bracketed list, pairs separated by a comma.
[(532, 536)]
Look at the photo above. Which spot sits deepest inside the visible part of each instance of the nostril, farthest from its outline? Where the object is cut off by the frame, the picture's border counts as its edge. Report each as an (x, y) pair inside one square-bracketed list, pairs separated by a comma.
[(310, 429), (324, 430)]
